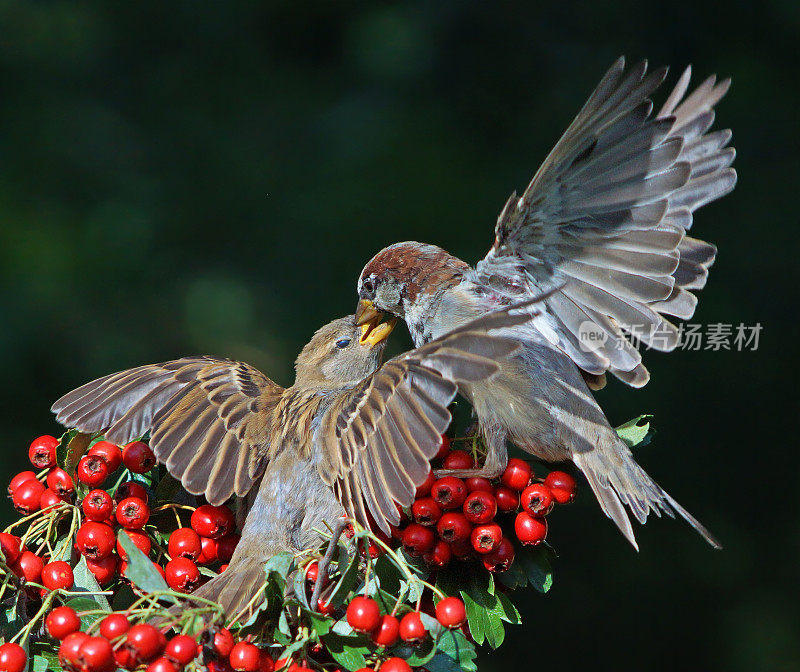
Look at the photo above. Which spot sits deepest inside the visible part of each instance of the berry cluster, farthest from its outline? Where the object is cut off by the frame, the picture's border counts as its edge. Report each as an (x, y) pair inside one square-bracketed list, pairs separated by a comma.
[(472, 518), (114, 642), (53, 492)]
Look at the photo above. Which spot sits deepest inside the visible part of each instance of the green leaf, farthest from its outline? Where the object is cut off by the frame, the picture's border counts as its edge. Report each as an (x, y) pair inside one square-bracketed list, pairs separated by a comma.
[(279, 566), (535, 562), (509, 611), (75, 445), (416, 656), (348, 651), (167, 489), (635, 434), (85, 582), (454, 653), (319, 624), (299, 587), (346, 583), (80, 604), (141, 570)]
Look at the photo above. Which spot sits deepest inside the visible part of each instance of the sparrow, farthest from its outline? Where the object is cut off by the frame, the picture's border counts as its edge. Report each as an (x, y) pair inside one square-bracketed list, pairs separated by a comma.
[(348, 438), (606, 215)]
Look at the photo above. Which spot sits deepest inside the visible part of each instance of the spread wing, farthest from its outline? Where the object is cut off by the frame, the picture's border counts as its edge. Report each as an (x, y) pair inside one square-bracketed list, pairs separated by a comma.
[(380, 435), (607, 213), (208, 418)]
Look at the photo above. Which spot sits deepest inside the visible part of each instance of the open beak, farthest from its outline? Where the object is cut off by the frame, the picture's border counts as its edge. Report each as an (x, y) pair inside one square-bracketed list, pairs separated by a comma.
[(373, 331)]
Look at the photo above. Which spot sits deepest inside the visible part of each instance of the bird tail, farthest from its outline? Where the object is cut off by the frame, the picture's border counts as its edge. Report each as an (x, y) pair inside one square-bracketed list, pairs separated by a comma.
[(237, 588), (616, 479)]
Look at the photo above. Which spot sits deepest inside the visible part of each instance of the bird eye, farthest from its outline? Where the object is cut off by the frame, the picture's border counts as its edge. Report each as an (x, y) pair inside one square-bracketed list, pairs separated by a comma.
[(368, 286), (342, 342)]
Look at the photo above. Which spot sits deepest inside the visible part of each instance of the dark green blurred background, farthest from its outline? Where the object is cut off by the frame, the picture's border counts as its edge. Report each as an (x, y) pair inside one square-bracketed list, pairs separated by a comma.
[(209, 177)]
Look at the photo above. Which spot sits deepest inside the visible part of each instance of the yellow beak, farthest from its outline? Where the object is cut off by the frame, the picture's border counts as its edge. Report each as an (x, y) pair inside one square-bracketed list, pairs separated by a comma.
[(373, 331), (366, 312)]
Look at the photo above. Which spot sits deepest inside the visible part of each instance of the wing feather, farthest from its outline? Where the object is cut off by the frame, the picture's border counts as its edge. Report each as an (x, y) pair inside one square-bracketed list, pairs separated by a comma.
[(607, 213), (207, 418)]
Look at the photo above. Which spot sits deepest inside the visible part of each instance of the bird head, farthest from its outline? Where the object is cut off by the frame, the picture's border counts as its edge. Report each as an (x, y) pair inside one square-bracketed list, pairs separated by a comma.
[(404, 275), (343, 352)]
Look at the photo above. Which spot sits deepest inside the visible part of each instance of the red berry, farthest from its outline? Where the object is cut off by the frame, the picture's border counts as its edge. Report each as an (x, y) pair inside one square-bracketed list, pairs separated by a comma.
[(451, 613), (131, 489), (184, 543), (12, 657), (11, 547), (61, 622), (440, 555), (444, 448), (449, 492), (60, 482), (453, 526), (418, 539), (161, 665), (226, 546), (485, 538), (104, 570), (95, 540), (138, 458), (69, 648), (266, 664), (537, 499), (517, 475), (27, 496), (144, 641), (57, 575), (29, 566), (114, 625), (223, 642), (92, 470), (141, 540), (125, 658), (50, 498), (42, 452), (530, 530), (426, 511), (97, 505), (96, 655), (480, 507), (395, 664), (423, 490), (182, 574), (412, 628), (324, 608), (507, 499), (212, 521), (477, 483), (312, 571), (501, 558), (132, 513), (458, 459), (182, 649), (562, 485), (388, 631), (161, 571), (208, 553), (245, 657), (111, 453), (20, 478), (363, 613)]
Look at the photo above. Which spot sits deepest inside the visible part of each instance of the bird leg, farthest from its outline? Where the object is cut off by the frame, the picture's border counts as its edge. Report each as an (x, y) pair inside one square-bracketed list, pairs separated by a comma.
[(325, 562)]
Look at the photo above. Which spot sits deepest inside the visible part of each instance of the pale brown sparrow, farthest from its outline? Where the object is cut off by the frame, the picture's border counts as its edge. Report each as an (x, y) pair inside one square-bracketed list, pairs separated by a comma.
[(347, 438)]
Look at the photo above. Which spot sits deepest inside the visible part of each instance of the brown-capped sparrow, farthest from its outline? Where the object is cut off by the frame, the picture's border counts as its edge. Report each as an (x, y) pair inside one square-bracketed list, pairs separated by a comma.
[(606, 214)]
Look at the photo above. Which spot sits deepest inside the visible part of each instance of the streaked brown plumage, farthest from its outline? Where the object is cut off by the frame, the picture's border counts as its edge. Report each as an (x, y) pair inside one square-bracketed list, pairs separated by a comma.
[(347, 437), (606, 215)]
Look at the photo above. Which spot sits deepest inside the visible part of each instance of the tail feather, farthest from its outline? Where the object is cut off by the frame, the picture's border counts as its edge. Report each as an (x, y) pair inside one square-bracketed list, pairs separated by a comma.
[(616, 479), (237, 588)]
